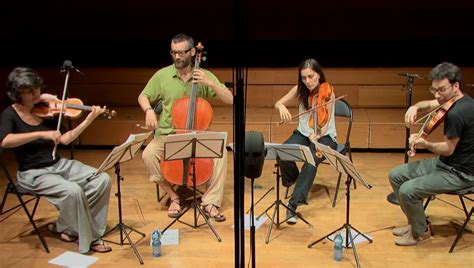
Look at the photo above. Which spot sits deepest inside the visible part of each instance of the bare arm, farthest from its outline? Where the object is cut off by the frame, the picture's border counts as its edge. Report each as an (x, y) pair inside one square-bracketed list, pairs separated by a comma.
[(150, 117), (223, 93), (292, 95), (72, 134), (422, 106), (13, 140), (444, 148)]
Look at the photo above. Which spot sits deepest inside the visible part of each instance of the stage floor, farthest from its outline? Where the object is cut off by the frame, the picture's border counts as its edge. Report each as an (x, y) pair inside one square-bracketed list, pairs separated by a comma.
[(370, 213)]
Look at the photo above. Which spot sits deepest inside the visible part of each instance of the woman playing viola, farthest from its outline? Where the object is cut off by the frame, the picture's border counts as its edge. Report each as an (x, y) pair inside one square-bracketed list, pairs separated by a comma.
[(81, 197), (317, 125)]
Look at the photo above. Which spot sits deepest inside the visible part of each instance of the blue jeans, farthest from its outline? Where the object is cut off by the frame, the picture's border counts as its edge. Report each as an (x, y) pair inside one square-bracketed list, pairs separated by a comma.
[(305, 178)]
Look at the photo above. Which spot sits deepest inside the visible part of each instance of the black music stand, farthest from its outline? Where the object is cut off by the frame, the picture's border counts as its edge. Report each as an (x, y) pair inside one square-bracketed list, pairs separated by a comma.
[(122, 153), (284, 152), (344, 165), (190, 146)]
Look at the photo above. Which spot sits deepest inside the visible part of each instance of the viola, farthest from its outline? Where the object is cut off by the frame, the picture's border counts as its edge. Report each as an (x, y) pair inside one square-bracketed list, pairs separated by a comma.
[(73, 108), (190, 114), (324, 96), (433, 120)]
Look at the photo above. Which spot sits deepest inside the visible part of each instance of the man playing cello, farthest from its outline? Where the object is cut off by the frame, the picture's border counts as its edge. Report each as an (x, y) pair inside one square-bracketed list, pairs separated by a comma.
[(168, 85)]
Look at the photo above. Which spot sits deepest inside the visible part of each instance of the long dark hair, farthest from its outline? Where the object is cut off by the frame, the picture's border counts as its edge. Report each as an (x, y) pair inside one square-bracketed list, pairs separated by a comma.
[(303, 91)]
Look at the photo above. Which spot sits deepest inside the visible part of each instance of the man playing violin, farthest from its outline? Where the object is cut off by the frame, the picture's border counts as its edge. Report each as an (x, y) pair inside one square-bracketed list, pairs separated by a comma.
[(312, 90), (168, 85), (452, 170), (81, 197)]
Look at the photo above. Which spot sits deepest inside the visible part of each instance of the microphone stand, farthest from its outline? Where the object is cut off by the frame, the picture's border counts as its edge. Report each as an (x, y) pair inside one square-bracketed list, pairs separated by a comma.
[(391, 197)]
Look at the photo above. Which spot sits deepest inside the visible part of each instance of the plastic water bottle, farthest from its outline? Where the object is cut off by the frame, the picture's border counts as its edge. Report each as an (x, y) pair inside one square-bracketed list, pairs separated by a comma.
[(156, 243), (338, 247)]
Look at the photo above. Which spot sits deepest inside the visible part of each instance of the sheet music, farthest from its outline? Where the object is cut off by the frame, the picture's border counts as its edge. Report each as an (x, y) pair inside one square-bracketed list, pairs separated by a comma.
[(208, 145), (341, 163), (124, 152), (289, 152)]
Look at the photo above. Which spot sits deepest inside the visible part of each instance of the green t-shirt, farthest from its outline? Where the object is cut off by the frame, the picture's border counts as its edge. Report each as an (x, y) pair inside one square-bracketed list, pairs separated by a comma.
[(167, 86)]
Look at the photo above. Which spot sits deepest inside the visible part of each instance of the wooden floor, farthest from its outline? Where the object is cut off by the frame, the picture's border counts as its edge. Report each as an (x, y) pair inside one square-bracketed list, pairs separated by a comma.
[(370, 213)]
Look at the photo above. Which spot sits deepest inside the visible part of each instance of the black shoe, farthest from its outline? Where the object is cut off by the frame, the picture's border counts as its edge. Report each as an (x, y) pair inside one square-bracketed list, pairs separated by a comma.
[(287, 183), (392, 198), (291, 218)]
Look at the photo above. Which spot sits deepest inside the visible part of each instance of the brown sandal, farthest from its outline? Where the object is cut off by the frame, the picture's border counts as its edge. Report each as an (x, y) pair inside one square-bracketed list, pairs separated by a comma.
[(100, 247), (62, 236), (218, 217), (174, 212)]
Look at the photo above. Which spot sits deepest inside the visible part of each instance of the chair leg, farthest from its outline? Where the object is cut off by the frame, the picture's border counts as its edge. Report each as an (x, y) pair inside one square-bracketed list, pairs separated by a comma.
[(428, 201), (287, 193), (2, 205), (463, 205), (461, 230), (337, 190), (32, 222)]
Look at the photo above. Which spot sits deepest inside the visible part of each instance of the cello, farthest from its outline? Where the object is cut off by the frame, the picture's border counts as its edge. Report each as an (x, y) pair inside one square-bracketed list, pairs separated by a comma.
[(189, 114)]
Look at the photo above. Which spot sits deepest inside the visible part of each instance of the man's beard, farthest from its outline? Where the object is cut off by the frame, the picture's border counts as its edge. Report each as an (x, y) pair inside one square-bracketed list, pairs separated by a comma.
[(182, 64)]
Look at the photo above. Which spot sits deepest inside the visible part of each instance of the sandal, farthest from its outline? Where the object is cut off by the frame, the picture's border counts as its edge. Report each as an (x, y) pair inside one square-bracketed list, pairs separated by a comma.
[(62, 236), (209, 208), (174, 209), (100, 247)]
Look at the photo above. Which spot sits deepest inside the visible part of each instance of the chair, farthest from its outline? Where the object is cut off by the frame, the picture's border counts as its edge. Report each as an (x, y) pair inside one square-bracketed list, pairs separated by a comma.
[(462, 194), (342, 109), (24, 198)]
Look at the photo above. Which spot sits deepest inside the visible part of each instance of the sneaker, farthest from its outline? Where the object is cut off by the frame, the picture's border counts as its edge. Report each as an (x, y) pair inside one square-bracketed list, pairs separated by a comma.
[(408, 239), (291, 217), (401, 231)]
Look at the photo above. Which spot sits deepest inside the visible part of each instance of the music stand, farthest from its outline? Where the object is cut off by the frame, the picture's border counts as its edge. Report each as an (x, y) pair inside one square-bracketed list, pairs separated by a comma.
[(284, 152), (344, 165), (187, 147), (119, 154)]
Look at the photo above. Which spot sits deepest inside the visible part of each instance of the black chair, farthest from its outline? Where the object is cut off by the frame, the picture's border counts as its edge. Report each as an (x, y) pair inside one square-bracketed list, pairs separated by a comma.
[(24, 198), (342, 109), (462, 194)]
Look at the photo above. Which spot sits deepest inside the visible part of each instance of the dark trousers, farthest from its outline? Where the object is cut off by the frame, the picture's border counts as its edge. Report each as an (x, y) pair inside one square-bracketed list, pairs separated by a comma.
[(305, 178)]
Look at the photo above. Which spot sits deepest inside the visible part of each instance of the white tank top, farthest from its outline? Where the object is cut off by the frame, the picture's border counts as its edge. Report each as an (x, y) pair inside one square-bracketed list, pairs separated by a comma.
[(306, 130)]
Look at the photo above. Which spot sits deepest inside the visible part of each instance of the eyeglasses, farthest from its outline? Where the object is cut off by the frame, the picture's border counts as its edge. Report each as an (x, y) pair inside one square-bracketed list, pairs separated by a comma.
[(179, 52), (440, 90)]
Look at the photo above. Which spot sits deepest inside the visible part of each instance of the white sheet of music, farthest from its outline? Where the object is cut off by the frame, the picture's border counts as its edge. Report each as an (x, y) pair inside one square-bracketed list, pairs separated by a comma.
[(208, 145)]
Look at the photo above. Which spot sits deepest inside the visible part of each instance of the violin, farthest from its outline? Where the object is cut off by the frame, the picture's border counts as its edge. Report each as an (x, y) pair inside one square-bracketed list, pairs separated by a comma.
[(324, 96), (73, 108), (433, 120), (190, 114), (325, 92)]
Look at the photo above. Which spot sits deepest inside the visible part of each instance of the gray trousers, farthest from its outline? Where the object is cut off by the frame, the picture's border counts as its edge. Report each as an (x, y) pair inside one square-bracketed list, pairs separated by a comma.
[(82, 203), (414, 181)]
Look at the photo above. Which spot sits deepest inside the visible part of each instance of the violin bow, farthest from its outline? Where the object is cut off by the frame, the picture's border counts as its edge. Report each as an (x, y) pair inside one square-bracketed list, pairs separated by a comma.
[(432, 111), (62, 110), (312, 109)]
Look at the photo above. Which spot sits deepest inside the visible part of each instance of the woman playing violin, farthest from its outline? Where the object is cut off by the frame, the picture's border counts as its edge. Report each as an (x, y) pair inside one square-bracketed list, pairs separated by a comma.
[(317, 125), (81, 197), (452, 170)]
